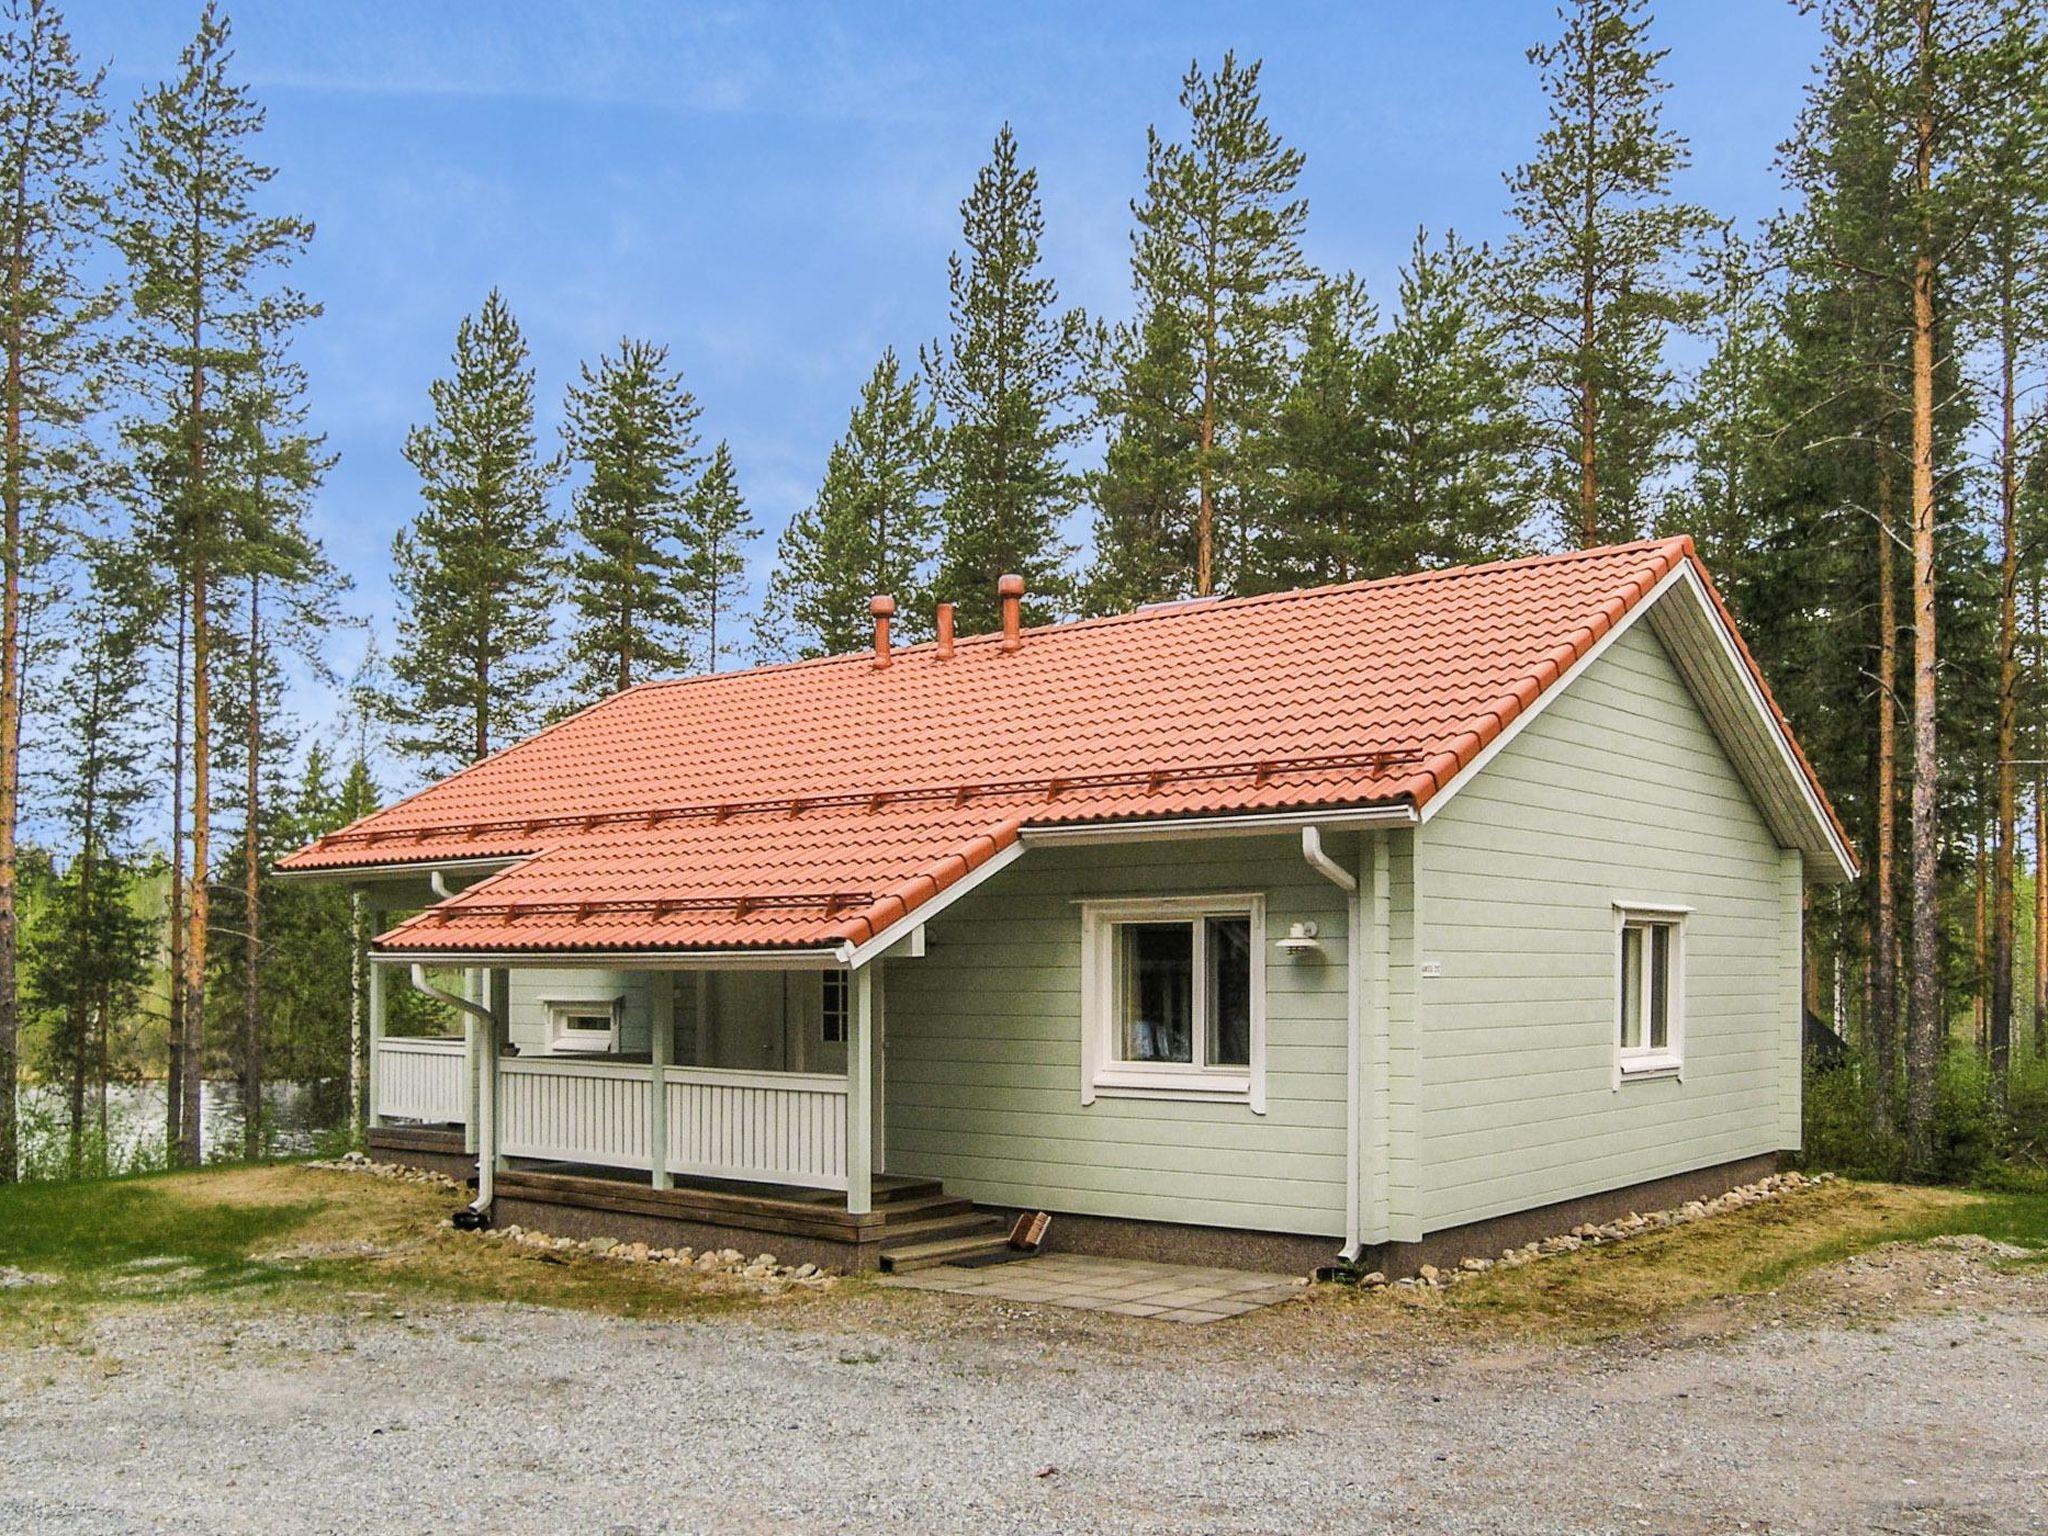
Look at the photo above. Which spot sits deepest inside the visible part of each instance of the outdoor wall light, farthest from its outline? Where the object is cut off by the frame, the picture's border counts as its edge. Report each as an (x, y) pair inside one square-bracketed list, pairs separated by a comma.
[(1301, 941)]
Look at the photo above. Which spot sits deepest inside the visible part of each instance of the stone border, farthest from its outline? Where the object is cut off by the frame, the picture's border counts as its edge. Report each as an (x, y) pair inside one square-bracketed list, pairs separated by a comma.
[(764, 1269), (403, 1173), (1594, 1235)]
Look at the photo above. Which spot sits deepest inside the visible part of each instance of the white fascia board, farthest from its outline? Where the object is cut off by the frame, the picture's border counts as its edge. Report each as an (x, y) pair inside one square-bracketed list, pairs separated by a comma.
[(1515, 727), (1683, 575), (356, 874), (626, 959), (859, 955), (1767, 718)]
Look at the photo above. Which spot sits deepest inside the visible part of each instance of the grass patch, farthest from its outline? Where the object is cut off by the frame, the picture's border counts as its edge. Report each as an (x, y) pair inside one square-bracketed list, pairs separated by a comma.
[(291, 1235), (1648, 1279)]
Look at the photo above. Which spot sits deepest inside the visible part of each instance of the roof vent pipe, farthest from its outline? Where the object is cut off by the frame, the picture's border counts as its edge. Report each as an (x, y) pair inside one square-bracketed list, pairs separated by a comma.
[(1010, 589), (882, 606), (945, 632)]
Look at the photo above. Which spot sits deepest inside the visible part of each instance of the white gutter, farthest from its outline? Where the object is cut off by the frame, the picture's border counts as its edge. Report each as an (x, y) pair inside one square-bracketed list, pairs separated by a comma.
[(487, 1095), (1354, 1009), (1257, 823), (355, 874)]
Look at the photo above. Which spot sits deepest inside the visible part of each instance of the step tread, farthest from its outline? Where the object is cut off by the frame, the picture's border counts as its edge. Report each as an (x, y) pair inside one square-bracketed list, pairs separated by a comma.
[(969, 1223), (943, 1251)]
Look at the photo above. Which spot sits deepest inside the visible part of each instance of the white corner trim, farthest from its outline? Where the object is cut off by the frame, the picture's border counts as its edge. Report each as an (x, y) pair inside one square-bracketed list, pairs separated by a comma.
[(1514, 727)]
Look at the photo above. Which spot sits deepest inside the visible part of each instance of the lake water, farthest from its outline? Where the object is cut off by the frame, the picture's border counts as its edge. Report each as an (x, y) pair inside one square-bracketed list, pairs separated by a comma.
[(300, 1116)]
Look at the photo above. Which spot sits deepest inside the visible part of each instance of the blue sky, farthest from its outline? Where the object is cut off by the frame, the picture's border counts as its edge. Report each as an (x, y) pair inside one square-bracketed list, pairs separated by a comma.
[(772, 190)]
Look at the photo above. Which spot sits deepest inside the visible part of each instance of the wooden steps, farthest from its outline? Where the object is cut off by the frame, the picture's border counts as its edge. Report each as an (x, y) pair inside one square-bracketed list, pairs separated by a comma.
[(941, 1229)]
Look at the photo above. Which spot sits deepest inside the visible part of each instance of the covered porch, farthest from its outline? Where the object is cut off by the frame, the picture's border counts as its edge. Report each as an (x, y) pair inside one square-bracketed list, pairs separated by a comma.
[(715, 1106)]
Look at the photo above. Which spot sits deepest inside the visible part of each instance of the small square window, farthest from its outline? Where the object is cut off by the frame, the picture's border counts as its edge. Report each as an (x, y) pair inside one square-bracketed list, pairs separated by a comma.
[(587, 1028), (1649, 991)]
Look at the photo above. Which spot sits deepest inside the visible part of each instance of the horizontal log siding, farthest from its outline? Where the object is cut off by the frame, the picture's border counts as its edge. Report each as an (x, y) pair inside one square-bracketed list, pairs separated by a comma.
[(983, 1050), (1619, 790), (533, 990)]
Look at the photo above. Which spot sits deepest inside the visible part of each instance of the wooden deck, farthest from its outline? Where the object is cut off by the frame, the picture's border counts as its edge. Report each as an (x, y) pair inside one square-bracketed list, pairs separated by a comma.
[(576, 1200)]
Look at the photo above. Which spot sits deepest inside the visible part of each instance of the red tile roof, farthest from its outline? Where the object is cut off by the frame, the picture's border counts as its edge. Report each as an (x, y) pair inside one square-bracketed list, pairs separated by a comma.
[(815, 803)]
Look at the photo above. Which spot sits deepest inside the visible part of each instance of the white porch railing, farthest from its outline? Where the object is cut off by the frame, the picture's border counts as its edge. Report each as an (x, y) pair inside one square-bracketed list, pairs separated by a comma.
[(781, 1127), (770, 1127), (421, 1079), (571, 1110)]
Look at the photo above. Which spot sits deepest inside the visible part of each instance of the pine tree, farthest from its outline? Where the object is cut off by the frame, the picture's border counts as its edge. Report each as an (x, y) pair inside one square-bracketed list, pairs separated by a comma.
[(1004, 385), (719, 529), (196, 251), (89, 959), (288, 590), (1597, 282), (1324, 452), (869, 530), (1217, 267), (1454, 485), (633, 427), (50, 123), (477, 573), (2011, 290)]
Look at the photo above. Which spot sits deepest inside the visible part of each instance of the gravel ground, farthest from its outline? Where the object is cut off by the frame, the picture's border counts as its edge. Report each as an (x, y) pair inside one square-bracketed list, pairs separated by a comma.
[(1906, 1391)]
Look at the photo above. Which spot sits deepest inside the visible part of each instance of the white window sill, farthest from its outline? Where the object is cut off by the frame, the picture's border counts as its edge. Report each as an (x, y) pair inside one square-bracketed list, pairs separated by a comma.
[(1138, 1083), (1638, 1068)]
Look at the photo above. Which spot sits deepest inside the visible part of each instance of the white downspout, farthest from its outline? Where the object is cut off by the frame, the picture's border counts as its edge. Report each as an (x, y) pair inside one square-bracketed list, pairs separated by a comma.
[(487, 1095), (1354, 1009)]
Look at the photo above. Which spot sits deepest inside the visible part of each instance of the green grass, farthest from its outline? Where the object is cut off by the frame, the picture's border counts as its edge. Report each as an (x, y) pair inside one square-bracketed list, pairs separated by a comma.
[(288, 1235)]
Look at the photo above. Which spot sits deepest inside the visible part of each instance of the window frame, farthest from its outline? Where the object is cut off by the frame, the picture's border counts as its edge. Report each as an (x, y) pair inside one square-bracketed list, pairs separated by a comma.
[(1639, 1063), (565, 1041), (831, 1010), (1104, 1073)]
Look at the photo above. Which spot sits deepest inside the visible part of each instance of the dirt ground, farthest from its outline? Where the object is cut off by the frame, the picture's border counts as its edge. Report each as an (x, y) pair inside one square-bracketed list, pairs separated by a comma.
[(1904, 1390)]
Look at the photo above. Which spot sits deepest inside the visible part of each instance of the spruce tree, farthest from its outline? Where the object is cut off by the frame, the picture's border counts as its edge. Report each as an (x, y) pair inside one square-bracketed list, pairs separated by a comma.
[(478, 572), (632, 426), (1004, 382), (90, 958), (1599, 280), (717, 533), (1219, 275), (50, 207), (198, 253), (869, 530)]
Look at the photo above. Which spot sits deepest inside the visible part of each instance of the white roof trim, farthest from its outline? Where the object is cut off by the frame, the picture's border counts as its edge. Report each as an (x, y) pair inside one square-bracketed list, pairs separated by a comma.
[(917, 916), (1820, 837)]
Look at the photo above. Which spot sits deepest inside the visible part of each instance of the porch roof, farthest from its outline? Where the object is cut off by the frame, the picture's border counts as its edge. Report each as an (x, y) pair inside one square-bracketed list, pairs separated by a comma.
[(814, 804)]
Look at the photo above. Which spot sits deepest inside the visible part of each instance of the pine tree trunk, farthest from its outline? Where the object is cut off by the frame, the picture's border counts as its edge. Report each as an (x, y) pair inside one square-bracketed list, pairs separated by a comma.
[(1980, 937), (11, 494), (1924, 1019), (175, 1041), (1589, 403), (199, 911), (1882, 1028), (252, 888), (2000, 1022)]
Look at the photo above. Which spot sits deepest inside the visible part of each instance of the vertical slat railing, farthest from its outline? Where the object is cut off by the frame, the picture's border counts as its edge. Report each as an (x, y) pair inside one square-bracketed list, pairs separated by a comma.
[(423, 1079)]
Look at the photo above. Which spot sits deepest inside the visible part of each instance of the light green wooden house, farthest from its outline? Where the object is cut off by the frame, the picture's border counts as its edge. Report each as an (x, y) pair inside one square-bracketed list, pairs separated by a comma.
[(1356, 925)]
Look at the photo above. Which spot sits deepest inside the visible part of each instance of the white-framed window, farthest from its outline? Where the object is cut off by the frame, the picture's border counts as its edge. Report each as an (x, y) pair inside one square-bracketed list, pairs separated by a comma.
[(588, 1026), (1174, 998), (1649, 990), (835, 1006)]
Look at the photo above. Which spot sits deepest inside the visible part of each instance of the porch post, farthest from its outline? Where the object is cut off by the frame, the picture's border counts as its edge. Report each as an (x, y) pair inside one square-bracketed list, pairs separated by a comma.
[(661, 1024), (860, 1096), (498, 998), (375, 1029), (473, 1047)]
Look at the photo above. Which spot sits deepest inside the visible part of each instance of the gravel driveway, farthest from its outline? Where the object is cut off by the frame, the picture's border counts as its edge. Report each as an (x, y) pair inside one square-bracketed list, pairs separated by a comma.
[(928, 1413)]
